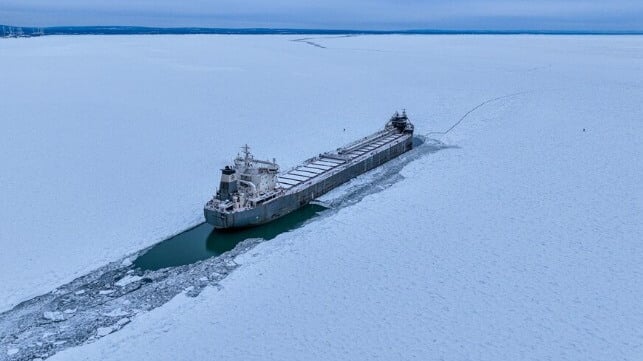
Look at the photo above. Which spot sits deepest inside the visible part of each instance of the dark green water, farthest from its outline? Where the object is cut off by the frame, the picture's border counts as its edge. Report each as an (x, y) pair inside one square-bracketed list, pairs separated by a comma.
[(203, 241)]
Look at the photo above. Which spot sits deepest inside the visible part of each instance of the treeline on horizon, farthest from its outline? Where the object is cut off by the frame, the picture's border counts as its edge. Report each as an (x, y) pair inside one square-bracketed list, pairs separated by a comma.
[(21, 31)]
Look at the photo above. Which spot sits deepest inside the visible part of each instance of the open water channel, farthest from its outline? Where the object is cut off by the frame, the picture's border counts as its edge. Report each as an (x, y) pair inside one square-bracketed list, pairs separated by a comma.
[(203, 241)]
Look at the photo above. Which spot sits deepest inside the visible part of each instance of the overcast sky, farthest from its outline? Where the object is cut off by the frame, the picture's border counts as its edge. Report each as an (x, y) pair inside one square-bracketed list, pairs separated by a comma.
[(333, 14)]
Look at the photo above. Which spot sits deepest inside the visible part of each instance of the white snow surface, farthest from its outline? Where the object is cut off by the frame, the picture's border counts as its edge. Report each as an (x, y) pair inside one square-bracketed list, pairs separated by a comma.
[(521, 242)]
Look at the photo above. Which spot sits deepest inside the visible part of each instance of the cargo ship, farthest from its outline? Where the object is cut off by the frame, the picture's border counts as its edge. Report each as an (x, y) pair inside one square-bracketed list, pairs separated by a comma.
[(253, 192)]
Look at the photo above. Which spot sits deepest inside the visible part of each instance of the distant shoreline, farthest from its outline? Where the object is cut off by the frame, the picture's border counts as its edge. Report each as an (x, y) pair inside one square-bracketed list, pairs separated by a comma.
[(21, 31)]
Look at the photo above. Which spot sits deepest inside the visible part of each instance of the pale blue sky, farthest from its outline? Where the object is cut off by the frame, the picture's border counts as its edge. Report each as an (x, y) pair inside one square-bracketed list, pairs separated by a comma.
[(599, 15)]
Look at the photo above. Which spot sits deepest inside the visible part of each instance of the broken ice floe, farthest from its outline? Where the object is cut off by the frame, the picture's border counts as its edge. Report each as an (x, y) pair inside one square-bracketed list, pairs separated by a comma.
[(127, 280), (55, 316), (104, 301)]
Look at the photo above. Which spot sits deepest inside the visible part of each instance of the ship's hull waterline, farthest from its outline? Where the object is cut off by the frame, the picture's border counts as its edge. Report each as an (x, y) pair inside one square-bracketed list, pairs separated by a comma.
[(318, 176)]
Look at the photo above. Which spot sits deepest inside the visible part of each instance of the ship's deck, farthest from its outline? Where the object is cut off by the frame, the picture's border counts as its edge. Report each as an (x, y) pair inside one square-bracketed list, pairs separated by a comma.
[(328, 162)]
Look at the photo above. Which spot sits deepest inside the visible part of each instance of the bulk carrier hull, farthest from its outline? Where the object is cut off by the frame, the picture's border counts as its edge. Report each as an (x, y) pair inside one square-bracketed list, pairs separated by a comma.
[(317, 176)]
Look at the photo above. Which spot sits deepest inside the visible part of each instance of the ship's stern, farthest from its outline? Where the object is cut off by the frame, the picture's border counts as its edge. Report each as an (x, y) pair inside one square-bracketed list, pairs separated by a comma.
[(216, 218)]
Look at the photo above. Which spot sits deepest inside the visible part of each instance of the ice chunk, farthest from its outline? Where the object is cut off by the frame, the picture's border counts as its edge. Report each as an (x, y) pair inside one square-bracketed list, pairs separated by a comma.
[(116, 313), (104, 331), (127, 280), (55, 316)]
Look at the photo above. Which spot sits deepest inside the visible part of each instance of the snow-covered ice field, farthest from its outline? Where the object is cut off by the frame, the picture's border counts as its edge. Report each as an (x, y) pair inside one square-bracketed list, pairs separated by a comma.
[(522, 240)]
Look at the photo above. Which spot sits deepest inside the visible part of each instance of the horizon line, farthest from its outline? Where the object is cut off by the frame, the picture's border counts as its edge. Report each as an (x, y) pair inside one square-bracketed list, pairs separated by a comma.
[(187, 30)]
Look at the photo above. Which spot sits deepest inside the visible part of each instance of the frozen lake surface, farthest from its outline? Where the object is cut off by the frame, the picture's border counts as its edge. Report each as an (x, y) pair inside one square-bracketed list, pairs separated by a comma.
[(519, 239)]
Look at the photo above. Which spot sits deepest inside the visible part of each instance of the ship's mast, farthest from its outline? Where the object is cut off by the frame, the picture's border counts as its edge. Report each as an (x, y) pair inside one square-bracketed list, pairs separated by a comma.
[(247, 157)]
